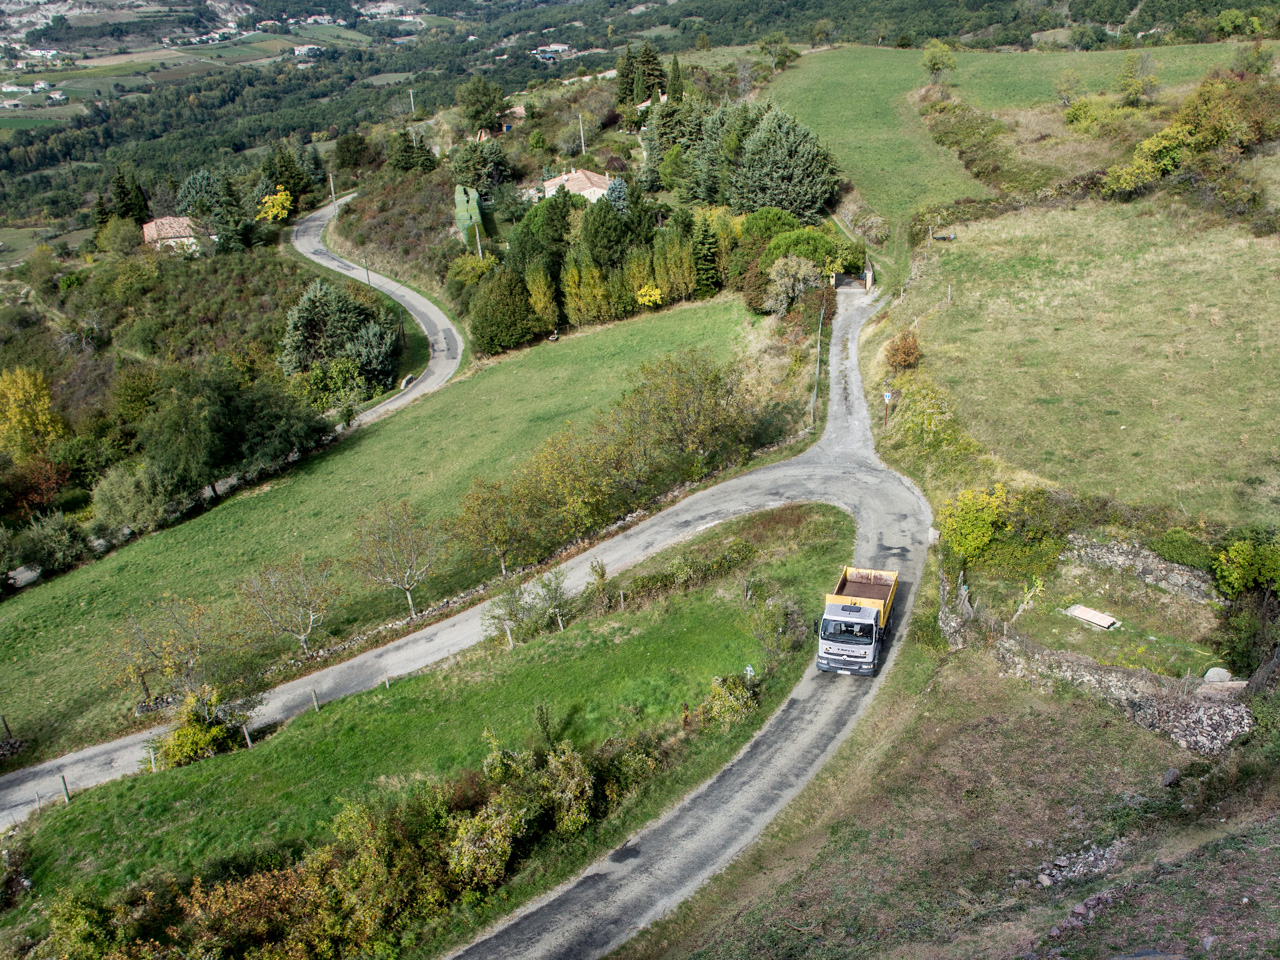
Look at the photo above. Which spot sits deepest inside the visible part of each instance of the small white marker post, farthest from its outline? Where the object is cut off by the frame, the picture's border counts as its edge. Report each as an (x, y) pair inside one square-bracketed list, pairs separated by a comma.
[(315, 701), (152, 751), (888, 398)]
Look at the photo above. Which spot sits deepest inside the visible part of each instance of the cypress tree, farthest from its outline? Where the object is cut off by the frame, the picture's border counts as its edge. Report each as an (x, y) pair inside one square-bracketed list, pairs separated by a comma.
[(637, 87), (139, 209), (626, 76), (675, 88), (650, 68), (704, 259), (120, 194), (101, 215)]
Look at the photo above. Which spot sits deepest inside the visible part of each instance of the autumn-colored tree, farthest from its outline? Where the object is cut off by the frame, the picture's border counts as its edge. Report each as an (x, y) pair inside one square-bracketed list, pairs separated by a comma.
[(542, 297), (397, 547), (27, 421), (903, 351), (275, 206), (179, 644), (292, 598)]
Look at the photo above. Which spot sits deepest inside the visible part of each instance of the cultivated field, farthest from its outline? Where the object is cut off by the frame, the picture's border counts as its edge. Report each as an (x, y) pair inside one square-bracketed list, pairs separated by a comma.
[(428, 453), (613, 675), (1122, 350)]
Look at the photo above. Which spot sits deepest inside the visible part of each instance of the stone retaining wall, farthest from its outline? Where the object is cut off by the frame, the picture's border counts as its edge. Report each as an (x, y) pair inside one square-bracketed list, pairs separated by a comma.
[(1175, 708), (1127, 555)]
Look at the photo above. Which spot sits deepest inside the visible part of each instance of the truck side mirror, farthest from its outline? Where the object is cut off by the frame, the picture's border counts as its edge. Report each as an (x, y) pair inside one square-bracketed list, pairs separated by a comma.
[(815, 626)]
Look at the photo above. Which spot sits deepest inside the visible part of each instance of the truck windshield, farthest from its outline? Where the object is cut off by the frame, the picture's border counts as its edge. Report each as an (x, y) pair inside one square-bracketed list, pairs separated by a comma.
[(843, 631)]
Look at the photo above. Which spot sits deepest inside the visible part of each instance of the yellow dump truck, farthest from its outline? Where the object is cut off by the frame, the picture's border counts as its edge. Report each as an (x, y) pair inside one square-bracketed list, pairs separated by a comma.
[(854, 627)]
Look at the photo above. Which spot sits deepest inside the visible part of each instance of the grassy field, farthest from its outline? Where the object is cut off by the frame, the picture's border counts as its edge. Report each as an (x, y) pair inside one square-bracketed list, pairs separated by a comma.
[(907, 842), (27, 123), (855, 99), (1122, 350), (428, 453), (612, 675), (17, 242)]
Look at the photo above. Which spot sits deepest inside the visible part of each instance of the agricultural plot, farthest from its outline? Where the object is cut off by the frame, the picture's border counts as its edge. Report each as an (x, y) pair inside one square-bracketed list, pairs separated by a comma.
[(428, 453), (1121, 350)]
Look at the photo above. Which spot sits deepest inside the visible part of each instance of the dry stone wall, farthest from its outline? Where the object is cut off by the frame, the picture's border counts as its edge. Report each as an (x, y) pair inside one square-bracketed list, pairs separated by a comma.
[(1153, 569)]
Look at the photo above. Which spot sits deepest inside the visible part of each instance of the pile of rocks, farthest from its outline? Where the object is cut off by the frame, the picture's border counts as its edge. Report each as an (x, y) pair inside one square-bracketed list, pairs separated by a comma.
[(1207, 727), (160, 702), (1089, 862), (10, 748), (1153, 569)]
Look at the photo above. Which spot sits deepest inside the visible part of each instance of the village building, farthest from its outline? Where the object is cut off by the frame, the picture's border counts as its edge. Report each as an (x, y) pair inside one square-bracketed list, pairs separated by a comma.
[(582, 182), (173, 233)]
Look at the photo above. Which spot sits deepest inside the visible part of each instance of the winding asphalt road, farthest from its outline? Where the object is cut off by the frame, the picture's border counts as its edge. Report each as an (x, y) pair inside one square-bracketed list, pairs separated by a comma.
[(446, 344), (668, 860)]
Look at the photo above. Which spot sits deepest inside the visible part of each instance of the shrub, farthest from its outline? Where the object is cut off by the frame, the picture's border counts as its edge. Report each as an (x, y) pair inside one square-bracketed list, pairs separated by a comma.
[(768, 222), (903, 351), (54, 543), (482, 845), (730, 701), (1248, 563), (192, 740), (969, 522), (131, 497), (1178, 546), (809, 244), (1248, 639), (568, 784)]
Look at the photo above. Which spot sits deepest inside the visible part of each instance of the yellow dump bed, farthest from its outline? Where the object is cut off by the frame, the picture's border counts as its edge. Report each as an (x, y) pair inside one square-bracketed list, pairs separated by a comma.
[(874, 589)]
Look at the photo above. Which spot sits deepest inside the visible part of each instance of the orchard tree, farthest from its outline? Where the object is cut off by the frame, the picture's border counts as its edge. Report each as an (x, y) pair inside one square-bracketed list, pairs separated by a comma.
[(180, 647), (777, 48), (291, 598), (396, 547), (491, 521), (937, 60)]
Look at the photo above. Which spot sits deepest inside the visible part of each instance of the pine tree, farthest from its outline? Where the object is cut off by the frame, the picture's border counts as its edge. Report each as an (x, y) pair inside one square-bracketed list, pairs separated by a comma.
[(704, 258), (783, 165), (626, 76), (675, 87)]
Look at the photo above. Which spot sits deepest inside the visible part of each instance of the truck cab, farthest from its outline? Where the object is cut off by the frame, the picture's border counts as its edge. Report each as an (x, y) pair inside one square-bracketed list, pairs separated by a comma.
[(854, 627)]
